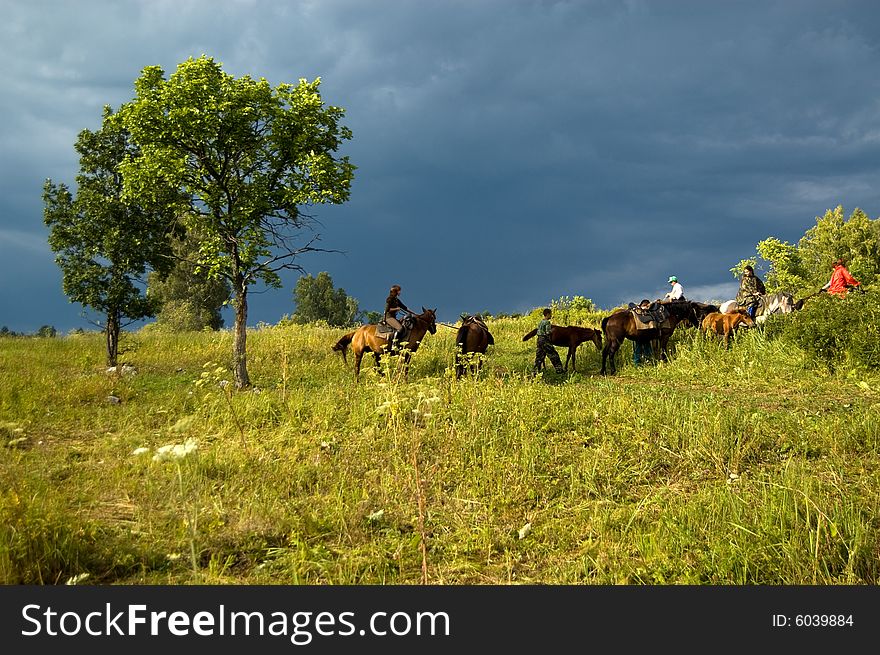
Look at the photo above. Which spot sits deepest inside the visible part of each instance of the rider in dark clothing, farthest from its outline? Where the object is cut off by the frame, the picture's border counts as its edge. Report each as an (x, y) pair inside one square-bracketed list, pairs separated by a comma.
[(394, 304)]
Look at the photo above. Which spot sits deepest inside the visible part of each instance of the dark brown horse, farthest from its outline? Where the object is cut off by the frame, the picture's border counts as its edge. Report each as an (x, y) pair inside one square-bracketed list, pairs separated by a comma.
[(570, 336), (622, 325), (364, 340), (471, 342)]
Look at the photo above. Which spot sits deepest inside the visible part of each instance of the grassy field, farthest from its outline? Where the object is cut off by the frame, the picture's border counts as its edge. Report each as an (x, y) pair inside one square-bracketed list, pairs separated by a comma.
[(751, 466)]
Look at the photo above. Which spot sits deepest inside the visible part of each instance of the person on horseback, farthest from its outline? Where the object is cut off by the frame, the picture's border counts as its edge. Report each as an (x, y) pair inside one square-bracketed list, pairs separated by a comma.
[(751, 288), (676, 292), (841, 282), (394, 304)]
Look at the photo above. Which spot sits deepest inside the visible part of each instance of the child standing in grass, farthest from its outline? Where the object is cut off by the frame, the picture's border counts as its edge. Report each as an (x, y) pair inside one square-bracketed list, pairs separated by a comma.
[(544, 347)]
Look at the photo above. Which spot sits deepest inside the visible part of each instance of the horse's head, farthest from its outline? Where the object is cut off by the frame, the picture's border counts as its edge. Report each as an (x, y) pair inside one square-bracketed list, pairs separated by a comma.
[(597, 339), (429, 316), (683, 311), (700, 311)]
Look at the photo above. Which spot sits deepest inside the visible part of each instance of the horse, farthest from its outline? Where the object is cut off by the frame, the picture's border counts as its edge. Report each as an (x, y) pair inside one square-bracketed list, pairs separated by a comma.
[(622, 325), (472, 338), (769, 304), (364, 340), (776, 303), (570, 336), (725, 324)]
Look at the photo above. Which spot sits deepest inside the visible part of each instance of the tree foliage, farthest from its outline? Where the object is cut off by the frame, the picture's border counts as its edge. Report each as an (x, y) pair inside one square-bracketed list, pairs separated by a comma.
[(246, 157), (104, 242), (317, 300), (187, 298)]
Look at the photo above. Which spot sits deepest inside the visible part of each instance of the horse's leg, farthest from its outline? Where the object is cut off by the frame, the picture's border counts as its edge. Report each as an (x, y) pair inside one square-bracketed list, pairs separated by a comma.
[(608, 352), (406, 356), (357, 364)]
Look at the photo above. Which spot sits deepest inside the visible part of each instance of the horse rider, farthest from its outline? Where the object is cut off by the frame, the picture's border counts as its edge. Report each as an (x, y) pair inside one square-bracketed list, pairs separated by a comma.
[(751, 288), (676, 292), (841, 282), (394, 304)]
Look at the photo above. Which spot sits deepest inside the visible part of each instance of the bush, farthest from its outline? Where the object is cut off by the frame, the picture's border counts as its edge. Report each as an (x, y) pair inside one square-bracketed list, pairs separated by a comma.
[(835, 330)]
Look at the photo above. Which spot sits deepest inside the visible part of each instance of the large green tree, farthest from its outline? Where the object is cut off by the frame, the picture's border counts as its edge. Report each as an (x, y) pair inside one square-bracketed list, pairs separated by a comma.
[(317, 300), (247, 158), (104, 243), (187, 298)]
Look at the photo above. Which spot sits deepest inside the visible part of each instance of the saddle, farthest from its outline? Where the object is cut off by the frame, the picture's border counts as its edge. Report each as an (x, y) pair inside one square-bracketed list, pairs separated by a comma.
[(649, 318), (384, 331), (475, 319)]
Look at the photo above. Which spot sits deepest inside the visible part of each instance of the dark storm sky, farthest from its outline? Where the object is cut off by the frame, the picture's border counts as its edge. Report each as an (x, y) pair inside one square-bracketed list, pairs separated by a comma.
[(508, 152)]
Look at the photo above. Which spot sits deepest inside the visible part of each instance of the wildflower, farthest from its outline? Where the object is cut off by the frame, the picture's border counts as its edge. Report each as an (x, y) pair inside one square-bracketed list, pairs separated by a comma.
[(77, 579), (175, 451), (140, 451), (523, 532), (375, 516)]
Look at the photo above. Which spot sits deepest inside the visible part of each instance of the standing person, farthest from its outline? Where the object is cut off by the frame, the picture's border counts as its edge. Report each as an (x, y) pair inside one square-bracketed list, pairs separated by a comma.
[(394, 304), (642, 350), (841, 281), (544, 347), (750, 289), (676, 292)]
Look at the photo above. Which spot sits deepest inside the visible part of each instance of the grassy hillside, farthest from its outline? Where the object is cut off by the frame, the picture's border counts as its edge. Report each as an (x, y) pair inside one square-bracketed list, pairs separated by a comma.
[(752, 466)]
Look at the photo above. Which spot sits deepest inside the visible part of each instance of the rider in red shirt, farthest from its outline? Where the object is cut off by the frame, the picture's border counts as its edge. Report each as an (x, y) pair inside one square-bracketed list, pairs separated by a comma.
[(841, 280)]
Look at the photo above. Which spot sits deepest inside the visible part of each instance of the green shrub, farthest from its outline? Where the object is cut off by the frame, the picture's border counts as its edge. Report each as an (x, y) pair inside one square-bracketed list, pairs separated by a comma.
[(835, 330)]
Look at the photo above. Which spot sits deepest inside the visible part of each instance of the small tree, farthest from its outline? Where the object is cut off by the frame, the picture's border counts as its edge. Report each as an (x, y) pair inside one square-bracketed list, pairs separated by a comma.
[(316, 299), (246, 157), (105, 244), (187, 298)]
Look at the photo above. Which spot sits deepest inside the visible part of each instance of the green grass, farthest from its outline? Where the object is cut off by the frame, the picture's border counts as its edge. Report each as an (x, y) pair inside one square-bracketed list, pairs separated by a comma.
[(750, 466)]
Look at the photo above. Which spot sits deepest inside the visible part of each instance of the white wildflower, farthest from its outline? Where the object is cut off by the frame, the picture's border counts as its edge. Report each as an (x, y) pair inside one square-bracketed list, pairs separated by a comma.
[(524, 531), (77, 579), (175, 451), (140, 451), (375, 516)]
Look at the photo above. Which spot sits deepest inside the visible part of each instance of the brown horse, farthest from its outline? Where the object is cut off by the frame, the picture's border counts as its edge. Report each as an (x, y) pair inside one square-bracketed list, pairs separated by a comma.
[(570, 336), (622, 325), (364, 340), (471, 342), (724, 325)]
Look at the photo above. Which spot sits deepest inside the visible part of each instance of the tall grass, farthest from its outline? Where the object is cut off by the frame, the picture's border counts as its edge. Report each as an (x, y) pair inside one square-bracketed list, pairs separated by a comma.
[(745, 466)]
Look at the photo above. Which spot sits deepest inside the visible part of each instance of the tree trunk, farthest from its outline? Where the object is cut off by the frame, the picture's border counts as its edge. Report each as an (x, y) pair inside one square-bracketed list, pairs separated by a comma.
[(112, 334), (239, 338)]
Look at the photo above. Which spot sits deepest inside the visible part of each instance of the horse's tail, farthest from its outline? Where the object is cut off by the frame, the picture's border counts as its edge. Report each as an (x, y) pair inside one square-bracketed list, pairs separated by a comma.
[(461, 338), (604, 323), (490, 338), (529, 335), (342, 345)]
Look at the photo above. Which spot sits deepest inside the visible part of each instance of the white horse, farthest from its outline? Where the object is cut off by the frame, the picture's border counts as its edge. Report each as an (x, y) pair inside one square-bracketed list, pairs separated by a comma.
[(768, 304)]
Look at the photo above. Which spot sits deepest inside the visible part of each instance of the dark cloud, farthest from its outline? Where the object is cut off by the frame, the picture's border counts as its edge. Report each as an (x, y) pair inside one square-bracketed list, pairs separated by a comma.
[(507, 153)]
